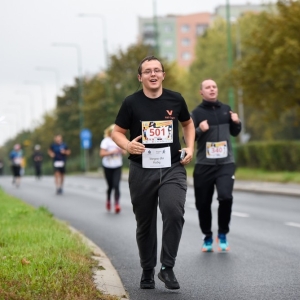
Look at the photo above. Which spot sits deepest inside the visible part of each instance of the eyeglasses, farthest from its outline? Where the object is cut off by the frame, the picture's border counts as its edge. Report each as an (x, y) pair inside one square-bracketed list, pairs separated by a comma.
[(149, 72)]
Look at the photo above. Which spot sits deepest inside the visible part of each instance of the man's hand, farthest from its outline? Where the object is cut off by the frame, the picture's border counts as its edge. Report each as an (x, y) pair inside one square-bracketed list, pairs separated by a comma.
[(204, 126), (188, 157), (135, 147), (234, 117)]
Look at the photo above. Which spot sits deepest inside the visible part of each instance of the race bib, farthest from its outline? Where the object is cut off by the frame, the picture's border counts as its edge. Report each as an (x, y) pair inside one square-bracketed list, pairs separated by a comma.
[(59, 164), (157, 132), (216, 150), (156, 158), (17, 161)]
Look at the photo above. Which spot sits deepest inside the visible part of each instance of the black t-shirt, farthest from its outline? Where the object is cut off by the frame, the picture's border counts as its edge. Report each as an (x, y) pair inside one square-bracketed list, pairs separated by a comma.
[(56, 148), (137, 108), (37, 157)]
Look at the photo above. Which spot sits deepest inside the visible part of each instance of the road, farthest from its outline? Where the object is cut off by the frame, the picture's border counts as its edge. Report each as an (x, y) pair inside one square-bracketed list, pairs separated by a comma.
[(264, 261)]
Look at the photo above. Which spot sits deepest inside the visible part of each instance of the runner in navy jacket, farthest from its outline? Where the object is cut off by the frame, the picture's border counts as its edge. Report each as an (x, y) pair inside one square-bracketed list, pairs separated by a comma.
[(214, 122)]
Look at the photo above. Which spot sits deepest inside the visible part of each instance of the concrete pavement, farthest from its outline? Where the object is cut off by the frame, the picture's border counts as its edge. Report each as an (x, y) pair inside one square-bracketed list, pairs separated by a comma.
[(108, 281), (288, 189)]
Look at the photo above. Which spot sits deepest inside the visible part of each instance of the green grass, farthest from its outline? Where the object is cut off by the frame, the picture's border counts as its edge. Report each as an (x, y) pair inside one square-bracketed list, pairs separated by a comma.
[(40, 258), (255, 175), (261, 175)]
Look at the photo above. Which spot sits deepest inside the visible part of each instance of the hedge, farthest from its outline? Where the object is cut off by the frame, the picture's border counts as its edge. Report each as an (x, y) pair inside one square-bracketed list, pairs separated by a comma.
[(271, 156)]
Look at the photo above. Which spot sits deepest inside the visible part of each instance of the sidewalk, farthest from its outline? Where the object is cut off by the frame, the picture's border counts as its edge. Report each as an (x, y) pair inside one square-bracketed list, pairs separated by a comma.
[(277, 188), (109, 281)]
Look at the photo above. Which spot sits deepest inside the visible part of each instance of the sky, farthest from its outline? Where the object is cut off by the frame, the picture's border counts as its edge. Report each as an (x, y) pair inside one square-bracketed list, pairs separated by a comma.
[(33, 70)]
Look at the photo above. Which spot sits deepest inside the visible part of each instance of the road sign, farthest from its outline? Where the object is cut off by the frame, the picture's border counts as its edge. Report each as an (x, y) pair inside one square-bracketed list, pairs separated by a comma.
[(86, 138)]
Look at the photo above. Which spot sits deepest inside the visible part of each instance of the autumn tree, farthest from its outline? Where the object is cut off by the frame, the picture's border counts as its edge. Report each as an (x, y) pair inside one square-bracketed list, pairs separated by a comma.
[(269, 71), (210, 62)]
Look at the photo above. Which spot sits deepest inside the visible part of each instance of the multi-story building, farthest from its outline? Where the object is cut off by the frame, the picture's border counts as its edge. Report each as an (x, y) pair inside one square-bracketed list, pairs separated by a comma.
[(237, 11), (188, 29), (160, 33), (174, 36)]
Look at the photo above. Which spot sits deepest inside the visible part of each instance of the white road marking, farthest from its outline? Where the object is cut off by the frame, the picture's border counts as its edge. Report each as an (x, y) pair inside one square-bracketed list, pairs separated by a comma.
[(292, 224), (190, 205), (239, 214), (234, 213)]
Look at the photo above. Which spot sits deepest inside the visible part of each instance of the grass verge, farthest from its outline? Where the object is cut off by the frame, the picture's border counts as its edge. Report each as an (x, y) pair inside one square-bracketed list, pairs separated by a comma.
[(261, 175), (40, 258)]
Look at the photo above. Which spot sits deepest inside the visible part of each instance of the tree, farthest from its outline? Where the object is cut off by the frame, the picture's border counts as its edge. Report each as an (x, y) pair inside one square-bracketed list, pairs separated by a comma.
[(67, 117), (269, 72), (210, 62)]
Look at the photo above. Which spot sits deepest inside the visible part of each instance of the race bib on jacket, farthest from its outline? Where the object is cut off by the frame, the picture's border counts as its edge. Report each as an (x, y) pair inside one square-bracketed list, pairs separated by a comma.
[(216, 150)]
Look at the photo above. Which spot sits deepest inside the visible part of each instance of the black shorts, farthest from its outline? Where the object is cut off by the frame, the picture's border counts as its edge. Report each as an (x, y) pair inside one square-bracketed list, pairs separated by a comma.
[(58, 168), (16, 170)]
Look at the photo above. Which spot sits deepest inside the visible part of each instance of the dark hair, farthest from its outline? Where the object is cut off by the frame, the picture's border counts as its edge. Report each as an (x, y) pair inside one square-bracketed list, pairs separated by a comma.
[(148, 58)]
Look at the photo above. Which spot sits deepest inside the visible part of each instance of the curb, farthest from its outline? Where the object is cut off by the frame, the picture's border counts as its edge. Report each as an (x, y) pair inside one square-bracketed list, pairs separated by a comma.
[(261, 187), (271, 188), (106, 277)]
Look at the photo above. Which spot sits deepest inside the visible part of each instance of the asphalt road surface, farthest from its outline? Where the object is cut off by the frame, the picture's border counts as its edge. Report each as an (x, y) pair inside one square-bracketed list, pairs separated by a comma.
[(264, 261)]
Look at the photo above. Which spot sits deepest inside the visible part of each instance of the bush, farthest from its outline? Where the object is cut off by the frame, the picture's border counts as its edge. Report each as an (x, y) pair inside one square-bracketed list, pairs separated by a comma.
[(271, 156)]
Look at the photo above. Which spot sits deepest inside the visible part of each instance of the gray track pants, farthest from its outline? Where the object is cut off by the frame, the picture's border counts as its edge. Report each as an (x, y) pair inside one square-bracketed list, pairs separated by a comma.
[(164, 187)]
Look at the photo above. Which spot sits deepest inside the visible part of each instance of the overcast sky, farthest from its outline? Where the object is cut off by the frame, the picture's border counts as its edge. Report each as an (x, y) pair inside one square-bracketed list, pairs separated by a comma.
[(29, 28)]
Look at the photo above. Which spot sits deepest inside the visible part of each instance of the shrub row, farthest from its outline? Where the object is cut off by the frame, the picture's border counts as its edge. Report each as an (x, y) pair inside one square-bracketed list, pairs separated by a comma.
[(271, 156)]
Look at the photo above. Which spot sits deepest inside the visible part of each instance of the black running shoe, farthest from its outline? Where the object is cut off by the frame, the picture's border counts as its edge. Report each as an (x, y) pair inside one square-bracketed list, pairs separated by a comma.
[(147, 280), (59, 191), (167, 276)]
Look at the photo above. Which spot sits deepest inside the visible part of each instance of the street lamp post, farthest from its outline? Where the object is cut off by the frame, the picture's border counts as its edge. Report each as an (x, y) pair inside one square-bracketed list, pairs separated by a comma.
[(108, 91), (104, 34), (243, 135), (37, 83), (11, 110), (15, 105), (230, 63), (32, 111), (47, 69), (155, 28), (80, 99)]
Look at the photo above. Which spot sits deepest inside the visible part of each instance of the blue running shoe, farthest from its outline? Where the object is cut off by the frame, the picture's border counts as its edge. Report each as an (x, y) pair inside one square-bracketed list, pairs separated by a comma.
[(222, 243), (207, 245)]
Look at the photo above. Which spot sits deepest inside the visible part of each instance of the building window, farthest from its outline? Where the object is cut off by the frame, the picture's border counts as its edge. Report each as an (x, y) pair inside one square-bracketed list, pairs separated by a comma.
[(186, 55), (168, 42), (185, 42), (168, 28), (169, 56), (150, 42), (185, 28), (200, 29), (148, 27)]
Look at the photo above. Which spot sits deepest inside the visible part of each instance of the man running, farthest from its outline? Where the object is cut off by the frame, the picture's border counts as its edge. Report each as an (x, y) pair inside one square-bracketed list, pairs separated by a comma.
[(59, 151)]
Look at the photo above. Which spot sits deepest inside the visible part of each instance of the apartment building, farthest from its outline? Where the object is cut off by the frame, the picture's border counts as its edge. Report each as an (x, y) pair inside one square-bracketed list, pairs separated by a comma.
[(160, 33), (175, 36), (188, 29), (237, 11)]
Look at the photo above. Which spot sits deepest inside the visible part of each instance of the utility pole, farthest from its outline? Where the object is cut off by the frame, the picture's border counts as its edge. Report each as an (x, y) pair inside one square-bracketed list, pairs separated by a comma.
[(230, 62), (80, 92), (156, 49)]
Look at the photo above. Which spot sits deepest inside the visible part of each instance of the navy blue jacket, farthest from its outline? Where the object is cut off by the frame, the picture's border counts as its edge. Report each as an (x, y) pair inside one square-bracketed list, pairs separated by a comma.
[(221, 127)]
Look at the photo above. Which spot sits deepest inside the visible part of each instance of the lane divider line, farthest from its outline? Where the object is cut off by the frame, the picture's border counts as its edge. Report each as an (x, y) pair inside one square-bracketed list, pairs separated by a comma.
[(292, 224), (239, 214)]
